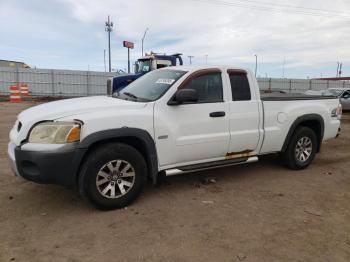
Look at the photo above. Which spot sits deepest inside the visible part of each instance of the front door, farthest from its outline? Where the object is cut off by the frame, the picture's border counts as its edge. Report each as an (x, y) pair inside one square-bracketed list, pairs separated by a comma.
[(194, 132)]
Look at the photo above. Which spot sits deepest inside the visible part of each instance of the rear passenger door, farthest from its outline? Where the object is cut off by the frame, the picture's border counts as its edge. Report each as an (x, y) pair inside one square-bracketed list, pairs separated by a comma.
[(244, 116)]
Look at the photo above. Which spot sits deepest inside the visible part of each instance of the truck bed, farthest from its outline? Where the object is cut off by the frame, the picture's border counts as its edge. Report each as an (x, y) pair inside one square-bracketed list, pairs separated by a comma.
[(280, 96)]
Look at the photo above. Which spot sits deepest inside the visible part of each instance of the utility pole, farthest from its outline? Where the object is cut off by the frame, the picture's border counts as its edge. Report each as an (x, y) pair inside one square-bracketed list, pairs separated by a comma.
[(256, 64), (337, 69), (109, 29), (143, 38), (284, 62), (128, 45), (190, 57), (128, 60), (104, 58), (340, 68), (206, 59)]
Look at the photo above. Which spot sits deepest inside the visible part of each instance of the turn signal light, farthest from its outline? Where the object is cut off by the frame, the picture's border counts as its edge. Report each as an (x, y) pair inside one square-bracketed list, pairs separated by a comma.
[(74, 134)]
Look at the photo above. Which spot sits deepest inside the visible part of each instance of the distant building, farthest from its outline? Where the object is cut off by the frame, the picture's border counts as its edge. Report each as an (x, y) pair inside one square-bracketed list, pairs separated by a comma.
[(343, 78), (9, 63)]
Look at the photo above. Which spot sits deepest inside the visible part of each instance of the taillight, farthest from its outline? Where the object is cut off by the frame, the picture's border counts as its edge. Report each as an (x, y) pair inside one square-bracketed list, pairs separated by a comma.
[(339, 111)]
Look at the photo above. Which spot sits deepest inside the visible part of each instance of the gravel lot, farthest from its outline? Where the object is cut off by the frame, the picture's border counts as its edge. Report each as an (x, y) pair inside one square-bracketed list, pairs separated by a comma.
[(256, 212)]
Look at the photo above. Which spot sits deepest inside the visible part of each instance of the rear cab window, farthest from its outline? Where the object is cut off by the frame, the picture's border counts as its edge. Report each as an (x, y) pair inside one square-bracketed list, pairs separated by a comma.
[(240, 87)]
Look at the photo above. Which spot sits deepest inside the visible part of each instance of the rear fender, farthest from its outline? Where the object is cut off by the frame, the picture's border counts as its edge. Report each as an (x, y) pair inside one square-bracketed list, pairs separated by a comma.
[(299, 122)]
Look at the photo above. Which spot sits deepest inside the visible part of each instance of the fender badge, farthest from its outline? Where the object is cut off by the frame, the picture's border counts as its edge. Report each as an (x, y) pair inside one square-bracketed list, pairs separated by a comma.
[(163, 137)]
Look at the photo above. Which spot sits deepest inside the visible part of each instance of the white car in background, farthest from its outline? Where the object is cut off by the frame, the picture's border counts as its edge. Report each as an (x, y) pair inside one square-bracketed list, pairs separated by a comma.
[(344, 96), (342, 93)]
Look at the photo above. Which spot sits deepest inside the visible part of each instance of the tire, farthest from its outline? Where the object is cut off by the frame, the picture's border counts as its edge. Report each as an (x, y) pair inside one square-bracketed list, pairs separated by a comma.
[(301, 149), (112, 176)]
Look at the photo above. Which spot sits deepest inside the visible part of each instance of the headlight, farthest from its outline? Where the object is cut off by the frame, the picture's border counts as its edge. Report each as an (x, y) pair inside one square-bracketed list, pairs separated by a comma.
[(55, 133)]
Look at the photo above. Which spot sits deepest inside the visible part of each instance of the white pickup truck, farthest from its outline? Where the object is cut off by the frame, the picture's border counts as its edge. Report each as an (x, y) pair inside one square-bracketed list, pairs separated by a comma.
[(169, 121)]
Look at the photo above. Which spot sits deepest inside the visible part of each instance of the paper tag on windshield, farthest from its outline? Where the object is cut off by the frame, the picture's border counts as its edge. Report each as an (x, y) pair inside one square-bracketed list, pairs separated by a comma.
[(166, 81)]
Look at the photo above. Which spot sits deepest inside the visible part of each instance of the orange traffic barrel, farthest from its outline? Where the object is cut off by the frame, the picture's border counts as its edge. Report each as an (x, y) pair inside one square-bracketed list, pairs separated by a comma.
[(15, 95), (24, 90)]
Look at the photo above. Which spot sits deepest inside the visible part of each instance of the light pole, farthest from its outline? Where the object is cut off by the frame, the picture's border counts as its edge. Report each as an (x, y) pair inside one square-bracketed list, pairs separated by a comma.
[(206, 59), (190, 57), (104, 58), (143, 38), (109, 29), (256, 64)]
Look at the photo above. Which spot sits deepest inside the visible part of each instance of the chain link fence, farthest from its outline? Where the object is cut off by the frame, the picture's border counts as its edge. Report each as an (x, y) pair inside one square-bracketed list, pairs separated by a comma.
[(299, 85), (52, 82)]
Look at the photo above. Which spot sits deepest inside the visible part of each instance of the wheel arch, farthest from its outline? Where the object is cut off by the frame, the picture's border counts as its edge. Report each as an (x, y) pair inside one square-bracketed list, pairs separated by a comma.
[(140, 139), (312, 121)]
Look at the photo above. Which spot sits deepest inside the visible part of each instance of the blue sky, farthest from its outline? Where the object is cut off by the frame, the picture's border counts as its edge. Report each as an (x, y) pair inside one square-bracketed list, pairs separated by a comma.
[(70, 34)]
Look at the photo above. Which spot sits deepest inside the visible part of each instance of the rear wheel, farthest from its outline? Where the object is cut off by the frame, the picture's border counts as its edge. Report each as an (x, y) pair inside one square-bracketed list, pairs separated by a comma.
[(112, 176), (301, 149)]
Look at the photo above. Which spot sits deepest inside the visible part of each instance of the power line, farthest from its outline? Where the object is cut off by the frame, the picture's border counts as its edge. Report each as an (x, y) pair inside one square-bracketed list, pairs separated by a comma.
[(267, 8), (291, 6)]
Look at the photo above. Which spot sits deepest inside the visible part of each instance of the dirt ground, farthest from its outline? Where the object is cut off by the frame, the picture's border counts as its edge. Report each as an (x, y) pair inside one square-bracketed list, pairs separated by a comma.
[(256, 212)]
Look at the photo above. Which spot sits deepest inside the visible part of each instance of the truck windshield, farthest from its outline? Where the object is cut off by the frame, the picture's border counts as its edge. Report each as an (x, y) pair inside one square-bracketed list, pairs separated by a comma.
[(150, 86), (143, 66)]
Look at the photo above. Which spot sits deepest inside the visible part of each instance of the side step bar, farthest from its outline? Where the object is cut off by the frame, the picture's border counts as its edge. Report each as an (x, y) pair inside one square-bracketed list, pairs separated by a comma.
[(210, 165)]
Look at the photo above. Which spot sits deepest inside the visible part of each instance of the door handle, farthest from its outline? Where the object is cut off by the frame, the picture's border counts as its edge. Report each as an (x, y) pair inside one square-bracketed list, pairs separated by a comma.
[(217, 114)]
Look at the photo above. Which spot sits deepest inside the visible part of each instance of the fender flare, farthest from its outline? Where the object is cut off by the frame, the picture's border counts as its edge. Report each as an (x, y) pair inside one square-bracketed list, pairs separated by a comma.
[(297, 122), (148, 143)]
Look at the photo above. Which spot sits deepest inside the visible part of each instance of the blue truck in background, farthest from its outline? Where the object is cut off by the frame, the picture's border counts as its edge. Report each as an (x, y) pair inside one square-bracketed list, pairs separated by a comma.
[(144, 65)]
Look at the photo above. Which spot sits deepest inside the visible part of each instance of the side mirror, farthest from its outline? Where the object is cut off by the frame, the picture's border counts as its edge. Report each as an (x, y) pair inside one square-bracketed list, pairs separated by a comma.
[(347, 96), (184, 96)]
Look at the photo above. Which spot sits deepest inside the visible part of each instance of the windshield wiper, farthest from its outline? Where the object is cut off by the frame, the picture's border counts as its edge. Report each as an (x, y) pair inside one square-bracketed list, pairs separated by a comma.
[(130, 95)]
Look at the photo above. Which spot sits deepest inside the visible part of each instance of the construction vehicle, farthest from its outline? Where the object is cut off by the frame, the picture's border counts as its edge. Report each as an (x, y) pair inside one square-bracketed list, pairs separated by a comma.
[(142, 66)]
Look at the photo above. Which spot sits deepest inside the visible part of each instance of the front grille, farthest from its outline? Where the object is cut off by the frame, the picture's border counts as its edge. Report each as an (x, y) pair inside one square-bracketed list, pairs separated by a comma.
[(19, 126)]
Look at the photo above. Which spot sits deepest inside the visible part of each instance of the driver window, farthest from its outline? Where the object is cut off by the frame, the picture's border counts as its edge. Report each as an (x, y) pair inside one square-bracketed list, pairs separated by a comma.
[(208, 87)]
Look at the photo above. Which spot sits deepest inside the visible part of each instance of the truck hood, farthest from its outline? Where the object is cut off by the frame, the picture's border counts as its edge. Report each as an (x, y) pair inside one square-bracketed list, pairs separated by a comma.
[(65, 108), (74, 106)]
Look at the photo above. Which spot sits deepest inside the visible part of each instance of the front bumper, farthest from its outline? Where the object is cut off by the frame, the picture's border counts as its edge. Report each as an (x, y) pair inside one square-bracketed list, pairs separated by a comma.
[(339, 131), (12, 159), (59, 165)]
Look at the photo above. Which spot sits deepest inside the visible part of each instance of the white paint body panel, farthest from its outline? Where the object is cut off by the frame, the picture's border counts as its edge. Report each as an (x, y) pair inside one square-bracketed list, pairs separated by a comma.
[(185, 134), (245, 123), (276, 132)]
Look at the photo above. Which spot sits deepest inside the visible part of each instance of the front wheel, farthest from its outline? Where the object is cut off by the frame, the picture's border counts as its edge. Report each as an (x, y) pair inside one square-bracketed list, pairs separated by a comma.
[(301, 149), (112, 176)]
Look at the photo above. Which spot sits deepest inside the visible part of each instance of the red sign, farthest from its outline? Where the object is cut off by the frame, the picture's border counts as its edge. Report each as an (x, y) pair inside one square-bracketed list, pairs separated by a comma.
[(128, 44)]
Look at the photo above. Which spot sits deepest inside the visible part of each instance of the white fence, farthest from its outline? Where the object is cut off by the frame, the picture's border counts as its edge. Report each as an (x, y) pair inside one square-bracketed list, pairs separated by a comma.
[(52, 82)]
